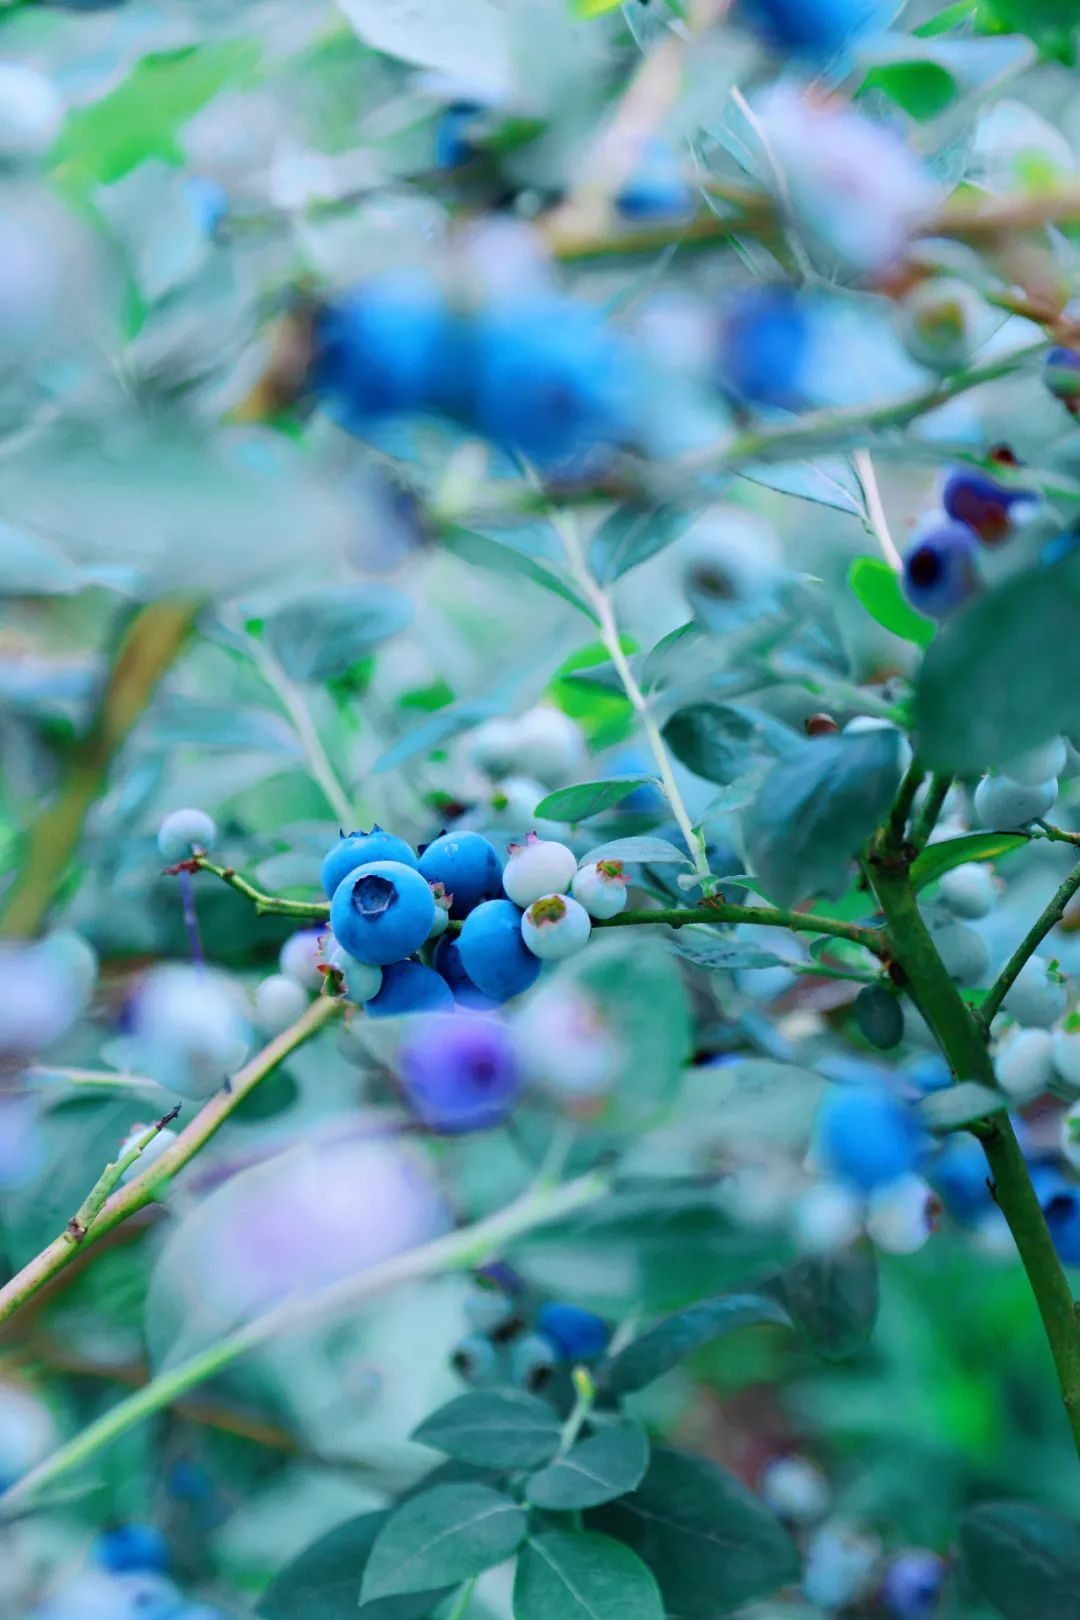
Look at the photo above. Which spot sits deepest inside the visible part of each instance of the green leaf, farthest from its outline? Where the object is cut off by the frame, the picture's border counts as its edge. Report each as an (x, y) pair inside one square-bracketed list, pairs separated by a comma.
[(606, 1465), (953, 1107), (323, 1583), (920, 88), (435, 732), (322, 634), (663, 1346), (1025, 1561), (878, 588), (593, 8), (631, 535), (827, 482), (713, 740), (643, 848), (586, 799), (441, 1537), (708, 1540), (1004, 674), (498, 1428), (937, 859), (834, 1298), (606, 717), (500, 557), (578, 1575), (816, 809)]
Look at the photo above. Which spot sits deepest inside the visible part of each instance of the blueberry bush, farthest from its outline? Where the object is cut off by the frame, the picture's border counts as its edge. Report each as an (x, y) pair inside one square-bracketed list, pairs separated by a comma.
[(539, 810)]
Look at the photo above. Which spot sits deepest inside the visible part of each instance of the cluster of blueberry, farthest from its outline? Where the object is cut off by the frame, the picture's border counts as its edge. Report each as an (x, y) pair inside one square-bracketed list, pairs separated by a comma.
[(515, 1339), (941, 567), (127, 1579)]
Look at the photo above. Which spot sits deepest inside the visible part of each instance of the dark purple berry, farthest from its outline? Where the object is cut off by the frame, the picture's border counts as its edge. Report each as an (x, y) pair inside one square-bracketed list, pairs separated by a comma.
[(940, 570)]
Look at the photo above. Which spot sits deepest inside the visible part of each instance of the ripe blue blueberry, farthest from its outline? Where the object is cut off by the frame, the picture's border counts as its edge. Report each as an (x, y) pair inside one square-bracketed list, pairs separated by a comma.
[(387, 348), (454, 129), (382, 912), (476, 1360), (131, 1547), (357, 849), (867, 1136), (811, 29), (656, 188), (94, 1594), (208, 203), (533, 1359), (939, 570), (578, 1335), (961, 1177), (1059, 1199), (1062, 374), (466, 865), (551, 380), (409, 987), (460, 1073), (447, 962), (493, 953), (989, 508), (184, 831), (764, 341), (912, 1584)]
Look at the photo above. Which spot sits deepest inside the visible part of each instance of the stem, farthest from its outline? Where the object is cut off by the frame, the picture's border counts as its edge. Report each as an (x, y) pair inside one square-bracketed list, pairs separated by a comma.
[(265, 904), (149, 645), (1030, 943), (88, 1211), (600, 601), (905, 799), (961, 1039), (585, 1392), (463, 1600), (144, 1189), (191, 919), (322, 772), (927, 818), (875, 510), (457, 1251)]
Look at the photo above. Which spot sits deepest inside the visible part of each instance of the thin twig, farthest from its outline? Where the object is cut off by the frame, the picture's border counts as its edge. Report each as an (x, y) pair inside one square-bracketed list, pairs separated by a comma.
[(1048, 919), (926, 818), (875, 510)]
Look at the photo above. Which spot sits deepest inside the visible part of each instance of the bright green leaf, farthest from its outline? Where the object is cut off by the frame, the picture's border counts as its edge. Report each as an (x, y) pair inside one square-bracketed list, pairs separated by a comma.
[(937, 859), (877, 587)]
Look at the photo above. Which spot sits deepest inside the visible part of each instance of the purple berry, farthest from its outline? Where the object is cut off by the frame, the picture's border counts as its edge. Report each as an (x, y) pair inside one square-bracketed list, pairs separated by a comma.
[(939, 570), (358, 849), (988, 507), (409, 987), (382, 912), (493, 953), (467, 866), (578, 1335), (764, 340), (912, 1584), (460, 1073)]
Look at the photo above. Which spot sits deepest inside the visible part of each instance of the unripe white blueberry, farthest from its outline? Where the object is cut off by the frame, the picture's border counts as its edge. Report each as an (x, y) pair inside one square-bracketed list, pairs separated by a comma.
[(839, 1566), (491, 746), (601, 888), (939, 323), (795, 1490), (1025, 1063), (1004, 803), (31, 112), (1065, 1047), (1035, 998), (302, 953), (968, 890), (565, 1043), (1037, 765), (183, 831), (962, 950), (513, 807), (189, 1031), (902, 1216), (555, 926), (826, 1217), (548, 745), (279, 1001), (150, 1153), (538, 867), (27, 1431), (362, 980)]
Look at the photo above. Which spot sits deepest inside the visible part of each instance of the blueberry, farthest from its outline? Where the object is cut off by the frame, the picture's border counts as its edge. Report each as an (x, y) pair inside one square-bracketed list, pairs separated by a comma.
[(646, 800), (382, 912), (988, 507), (795, 1489), (387, 348), (533, 1359), (968, 890), (98, 1595), (911, 1586), (656, 188), (928, 1074), (302, 953), (555, 926), (447, 962), (600, 887), (493, 953), (839, 1563), (31, 112), (879, 1017), (939, 570), (361, 980), (764, 342), (578, 1335), (489, 1309), (1062, 374), (812, 29), (357, 849), (279, 1001), (549, 379), (960, 1174), (131, 1547), (184, 831), (1036, 997), (208, 203), (1002, 803), (188, 1029), (409, 987), (538, 867), (963, 951), (1066, 1052), (467, 866), (455, 125), (1059, 1200), (460, 1073), (867, 1136), (476, 1360), (939, 321)]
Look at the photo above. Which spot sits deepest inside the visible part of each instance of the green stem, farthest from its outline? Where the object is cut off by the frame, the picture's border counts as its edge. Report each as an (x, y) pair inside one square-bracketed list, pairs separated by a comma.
[(1030, 943), (962, 1041), (152, 640), (265, 904), (145, 1189), (927, 818), (457, 1251), (905, 799), (463, 1600)]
